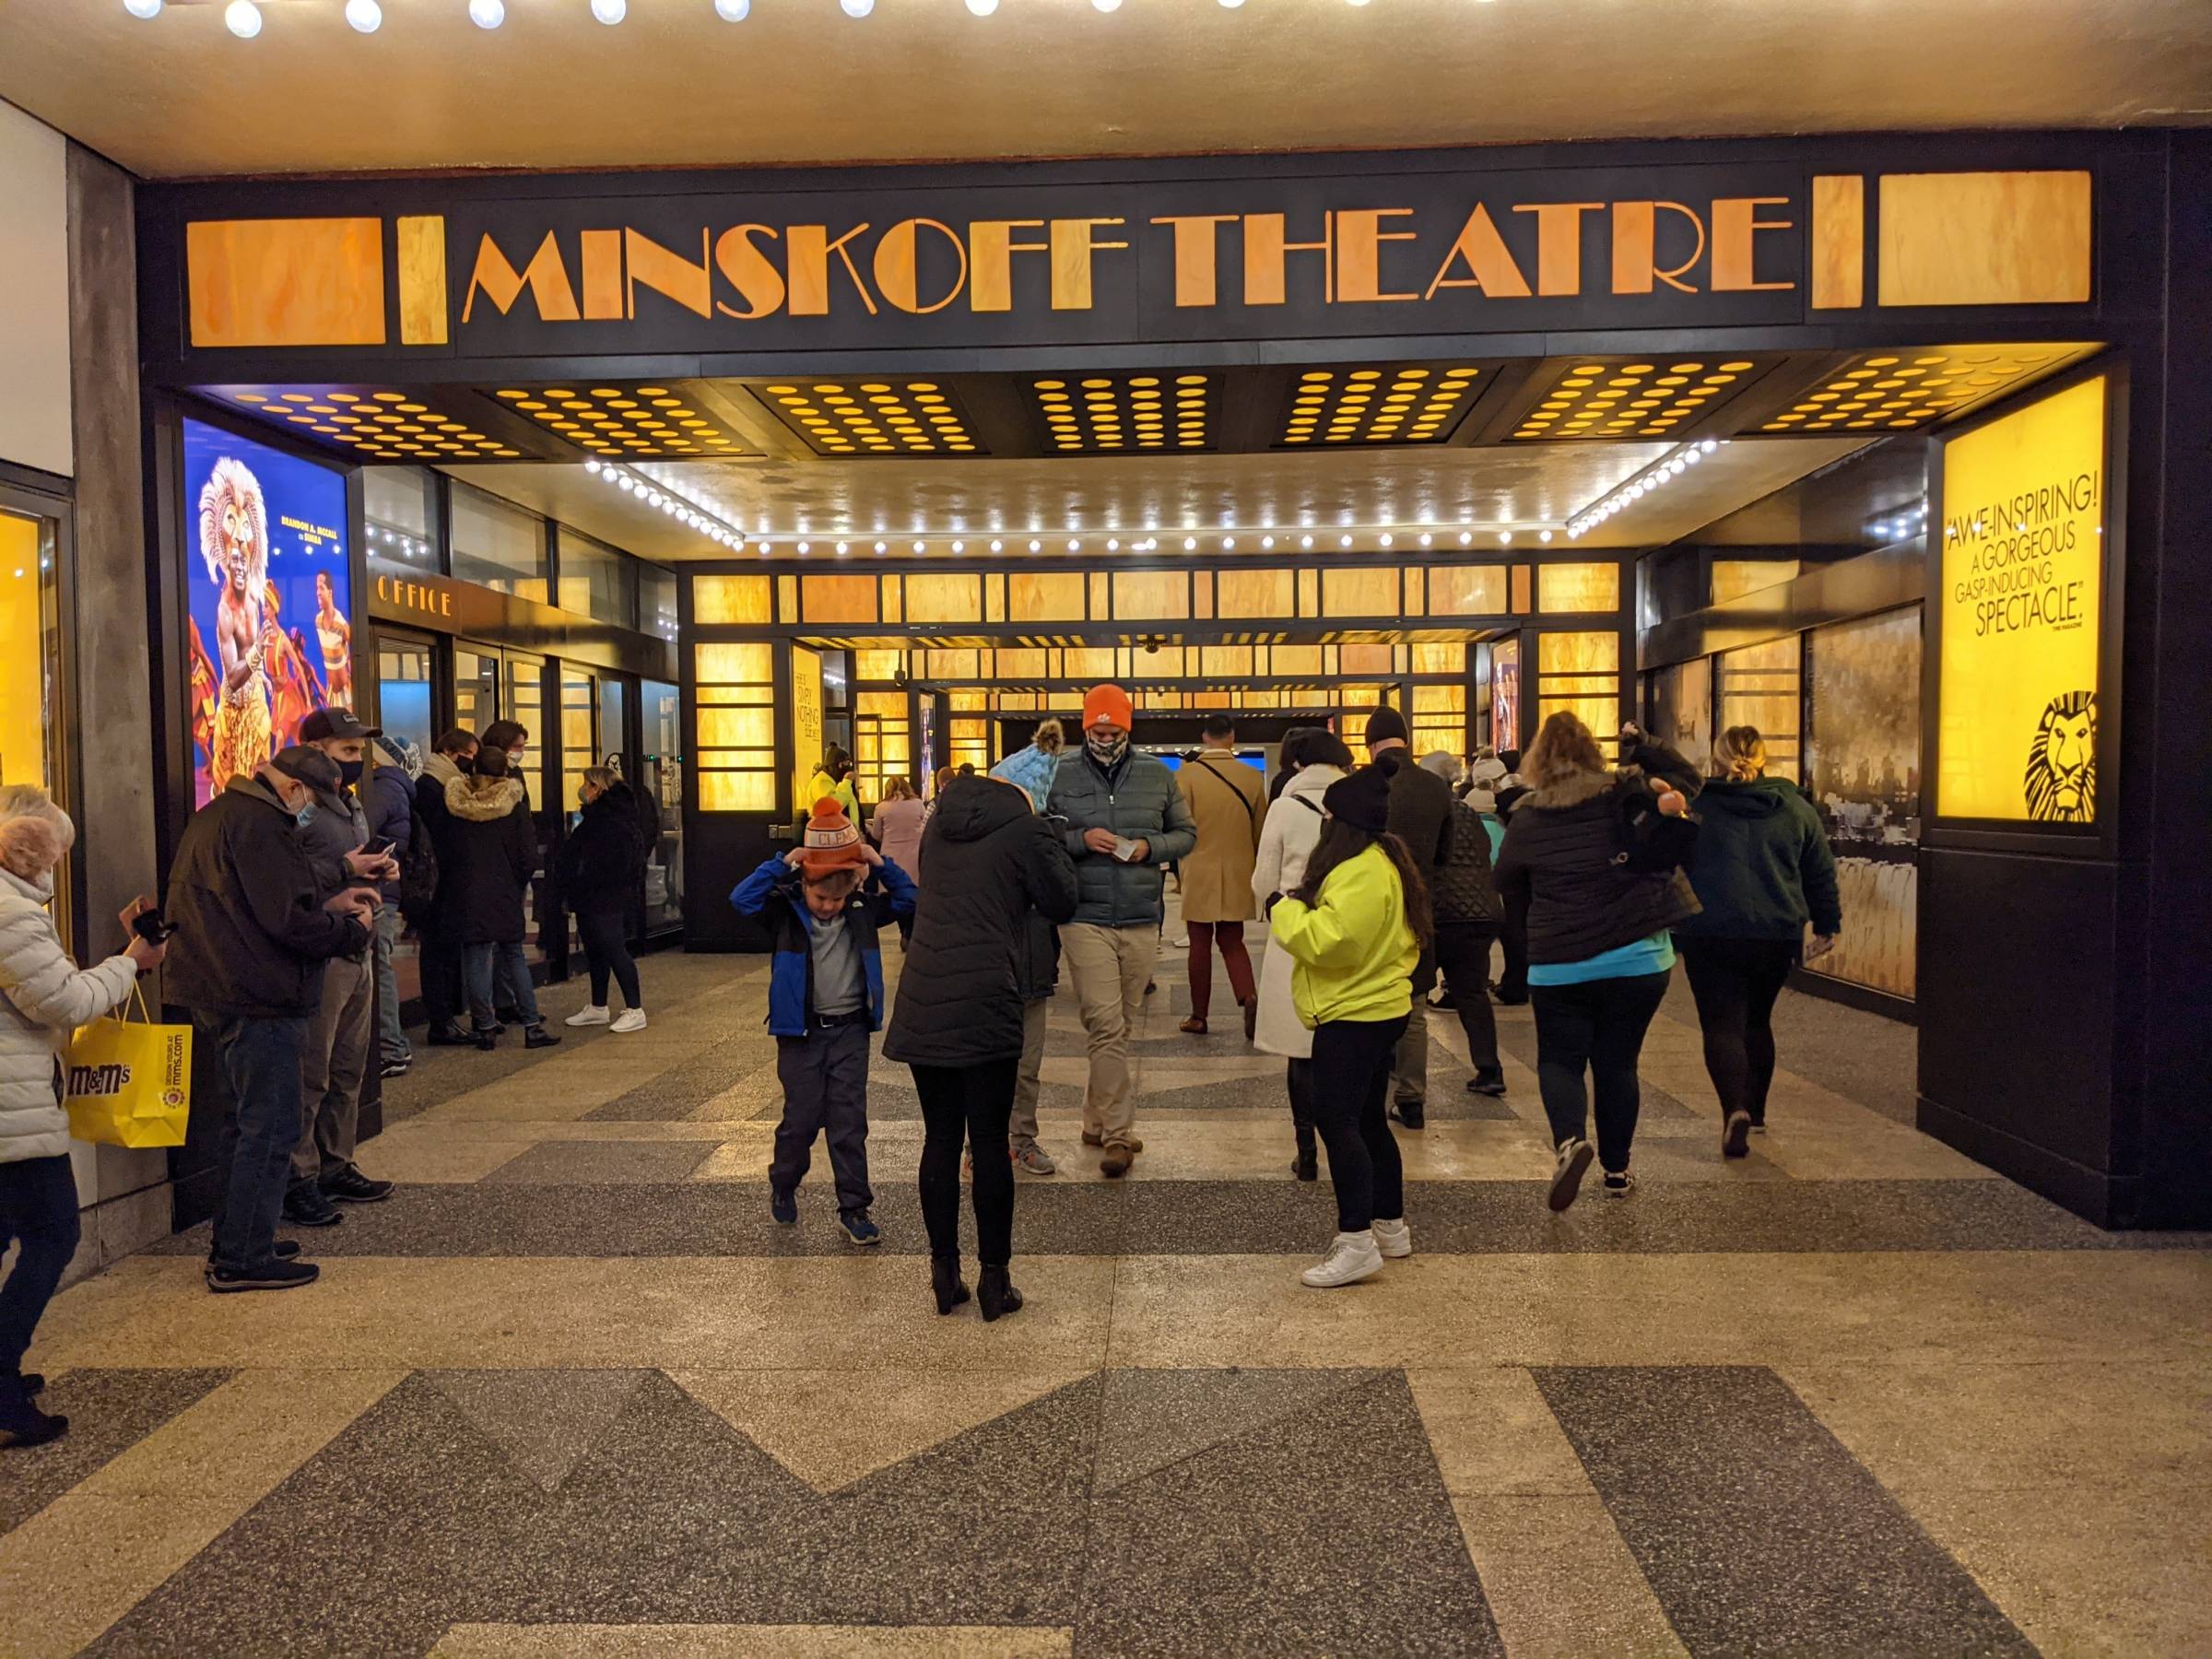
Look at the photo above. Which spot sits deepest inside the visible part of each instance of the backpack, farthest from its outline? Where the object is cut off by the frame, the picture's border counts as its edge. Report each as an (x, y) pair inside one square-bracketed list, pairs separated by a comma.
[(1647, 841), (419, 877)]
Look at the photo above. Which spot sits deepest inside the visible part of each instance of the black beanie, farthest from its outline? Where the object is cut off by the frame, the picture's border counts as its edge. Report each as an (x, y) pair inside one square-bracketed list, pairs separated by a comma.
[(1361, 800), (1384, 725)]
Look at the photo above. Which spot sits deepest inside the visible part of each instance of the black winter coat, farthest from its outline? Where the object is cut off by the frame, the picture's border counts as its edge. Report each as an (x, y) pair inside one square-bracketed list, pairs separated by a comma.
[(1420, 810), (989, 863), (494, 852), (1556, 869), (434, 823), (1463, 890), (246, 897), (599, 867)]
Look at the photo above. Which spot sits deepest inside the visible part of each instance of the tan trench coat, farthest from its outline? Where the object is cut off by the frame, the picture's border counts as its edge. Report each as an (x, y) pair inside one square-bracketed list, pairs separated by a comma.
[(1216, 875)]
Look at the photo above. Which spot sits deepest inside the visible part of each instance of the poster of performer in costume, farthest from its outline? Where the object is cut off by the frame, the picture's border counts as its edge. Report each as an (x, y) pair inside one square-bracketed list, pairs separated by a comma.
[(269, 628)]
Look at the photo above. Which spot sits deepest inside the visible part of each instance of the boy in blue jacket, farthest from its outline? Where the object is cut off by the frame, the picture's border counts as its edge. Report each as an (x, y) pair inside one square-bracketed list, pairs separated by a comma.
[(825, 996)]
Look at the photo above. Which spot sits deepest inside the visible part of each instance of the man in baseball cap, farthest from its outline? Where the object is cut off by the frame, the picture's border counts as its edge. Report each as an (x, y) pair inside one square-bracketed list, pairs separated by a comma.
[(1124, 819)]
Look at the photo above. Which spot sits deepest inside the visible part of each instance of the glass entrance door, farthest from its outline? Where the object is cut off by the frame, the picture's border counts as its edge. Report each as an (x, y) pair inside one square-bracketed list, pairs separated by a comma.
[(405, 707), (476, 686)]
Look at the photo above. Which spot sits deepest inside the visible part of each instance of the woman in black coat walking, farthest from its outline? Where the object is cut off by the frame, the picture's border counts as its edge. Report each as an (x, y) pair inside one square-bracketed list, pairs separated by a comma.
[(988, 861), (495, 855), (597, 872)]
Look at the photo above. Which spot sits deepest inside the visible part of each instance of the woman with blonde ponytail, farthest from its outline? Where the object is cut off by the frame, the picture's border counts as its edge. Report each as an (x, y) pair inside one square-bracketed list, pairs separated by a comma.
[(1762, 871)]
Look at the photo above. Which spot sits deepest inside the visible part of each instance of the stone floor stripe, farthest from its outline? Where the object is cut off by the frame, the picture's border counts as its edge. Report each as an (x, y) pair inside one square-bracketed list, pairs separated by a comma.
[(751, 1642)]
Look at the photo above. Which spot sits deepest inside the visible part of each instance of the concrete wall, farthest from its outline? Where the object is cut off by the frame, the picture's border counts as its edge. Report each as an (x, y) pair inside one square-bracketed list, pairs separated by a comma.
[(34, 294)]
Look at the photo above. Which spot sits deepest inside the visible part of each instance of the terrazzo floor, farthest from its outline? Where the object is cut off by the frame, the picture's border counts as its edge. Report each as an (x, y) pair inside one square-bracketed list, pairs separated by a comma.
[(571, 1392)]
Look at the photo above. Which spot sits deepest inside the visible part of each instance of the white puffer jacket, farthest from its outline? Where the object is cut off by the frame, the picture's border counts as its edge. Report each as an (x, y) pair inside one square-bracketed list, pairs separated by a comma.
[(44, 997)]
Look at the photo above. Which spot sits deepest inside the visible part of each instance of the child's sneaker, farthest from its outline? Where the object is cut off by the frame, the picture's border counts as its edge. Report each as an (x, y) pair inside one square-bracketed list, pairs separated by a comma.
[(783, 1206), (859, 1228)]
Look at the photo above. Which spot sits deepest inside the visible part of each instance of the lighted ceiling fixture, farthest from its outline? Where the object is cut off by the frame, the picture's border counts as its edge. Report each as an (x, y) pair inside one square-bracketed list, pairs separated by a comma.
[(996, 545), (917, 546), (243, 18), (1107, 6), (366, 15), (1305, 541), (145, 10), (1465, 537), (1505, 538), (732, 11), (1228, 543), (805, 549), (488, 14), (610, 12), (841, 548), (983, 8), (1036, 546), (856, 8), (1661, 473)]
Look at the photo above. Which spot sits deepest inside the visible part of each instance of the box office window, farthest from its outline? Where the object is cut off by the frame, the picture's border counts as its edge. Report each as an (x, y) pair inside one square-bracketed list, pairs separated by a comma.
[(497, 546)]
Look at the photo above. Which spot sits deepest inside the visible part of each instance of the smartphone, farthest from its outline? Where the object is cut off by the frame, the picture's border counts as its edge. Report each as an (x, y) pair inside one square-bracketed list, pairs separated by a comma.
[(382, 844), (151, 926)]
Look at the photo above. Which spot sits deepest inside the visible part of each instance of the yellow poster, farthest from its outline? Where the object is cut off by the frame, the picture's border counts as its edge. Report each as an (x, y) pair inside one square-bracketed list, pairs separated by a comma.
[(806, 723), (2023, 577)]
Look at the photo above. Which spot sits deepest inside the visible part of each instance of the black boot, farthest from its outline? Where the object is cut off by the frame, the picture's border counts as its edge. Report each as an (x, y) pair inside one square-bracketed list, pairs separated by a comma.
[(998, 1297), (945, 1280), (1307, 1166), (24, 1424)]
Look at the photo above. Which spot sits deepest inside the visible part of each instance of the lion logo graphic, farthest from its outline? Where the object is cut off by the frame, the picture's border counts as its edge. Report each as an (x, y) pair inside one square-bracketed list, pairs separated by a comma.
[(2060, 778), (234, 527)]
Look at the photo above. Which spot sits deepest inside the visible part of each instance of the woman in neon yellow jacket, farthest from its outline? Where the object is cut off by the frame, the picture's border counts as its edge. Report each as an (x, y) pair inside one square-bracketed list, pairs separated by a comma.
[(1353, 929)]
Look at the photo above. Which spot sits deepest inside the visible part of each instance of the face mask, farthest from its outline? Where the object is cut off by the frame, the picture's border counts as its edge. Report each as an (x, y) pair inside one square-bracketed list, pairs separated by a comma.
[(1107, 750), (352, 770), (304, 814)]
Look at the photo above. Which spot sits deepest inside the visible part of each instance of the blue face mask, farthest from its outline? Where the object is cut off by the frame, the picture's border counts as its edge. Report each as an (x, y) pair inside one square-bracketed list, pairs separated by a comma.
[(305, 814)]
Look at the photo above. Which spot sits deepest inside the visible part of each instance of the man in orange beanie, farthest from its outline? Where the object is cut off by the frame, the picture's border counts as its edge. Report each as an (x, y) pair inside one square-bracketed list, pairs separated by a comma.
[(825, 994), (1124, 819)]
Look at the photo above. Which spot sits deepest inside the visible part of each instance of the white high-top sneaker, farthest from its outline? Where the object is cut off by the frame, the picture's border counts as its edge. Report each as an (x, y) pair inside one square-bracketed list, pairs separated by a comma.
[(1394, 1238), (1352, 1257), (590, 1016), (630, 1020)]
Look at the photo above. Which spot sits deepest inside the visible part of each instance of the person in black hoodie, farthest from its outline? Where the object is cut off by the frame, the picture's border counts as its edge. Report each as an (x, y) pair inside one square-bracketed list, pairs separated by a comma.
[(494, 852), (1763, 869), (597, 872), (994, 874), (1599, 951), (1420, 816)]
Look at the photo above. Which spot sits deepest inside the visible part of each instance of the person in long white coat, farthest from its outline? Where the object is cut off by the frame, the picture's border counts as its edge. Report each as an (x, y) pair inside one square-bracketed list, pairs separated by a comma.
[(1287, 840)]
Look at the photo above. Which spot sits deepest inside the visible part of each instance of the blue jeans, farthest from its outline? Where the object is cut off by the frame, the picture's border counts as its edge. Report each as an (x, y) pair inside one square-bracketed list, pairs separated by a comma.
[(260, 1069), (392, 1041), (480, 964), (38, 1209)]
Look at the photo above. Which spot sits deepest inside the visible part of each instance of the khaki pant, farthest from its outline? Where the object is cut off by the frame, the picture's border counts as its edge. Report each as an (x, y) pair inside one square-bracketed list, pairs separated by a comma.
[(1027, 1079), (1410, 1060), (1110, 967), (338, 1039)]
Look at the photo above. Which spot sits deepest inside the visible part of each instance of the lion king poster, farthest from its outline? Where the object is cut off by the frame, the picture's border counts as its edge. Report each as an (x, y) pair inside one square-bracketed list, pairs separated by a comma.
[(2022, 594), (269, 616)]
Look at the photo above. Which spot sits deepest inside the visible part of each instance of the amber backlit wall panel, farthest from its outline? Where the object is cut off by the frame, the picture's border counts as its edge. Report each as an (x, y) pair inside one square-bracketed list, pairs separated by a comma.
[(1566, 589), (1254, 594), (1985, 239), (1151, 596), (958, 598), (882, 741), (735, 687), (1467, 591), (1053, 597), (838, 598), (1360, 592), (1759, 687), (1580, 673), (1368, 659), (1440, 719), (730, 601), (1440, 659), (1732, 578)]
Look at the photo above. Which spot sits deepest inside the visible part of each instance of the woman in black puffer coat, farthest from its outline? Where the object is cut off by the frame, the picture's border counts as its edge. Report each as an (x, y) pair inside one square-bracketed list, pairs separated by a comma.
[(988, 861), (1599, 951), (597, 872)]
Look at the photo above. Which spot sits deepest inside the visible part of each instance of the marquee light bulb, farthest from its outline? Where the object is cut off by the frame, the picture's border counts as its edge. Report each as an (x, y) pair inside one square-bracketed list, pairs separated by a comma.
[(983, 8), (1231, 5), (145, 10), (1036, 546), (610, 11), (732, 11), (366, 15), (488, 14), (841, 546), (1107, 6), (243, 18), (856, 8)]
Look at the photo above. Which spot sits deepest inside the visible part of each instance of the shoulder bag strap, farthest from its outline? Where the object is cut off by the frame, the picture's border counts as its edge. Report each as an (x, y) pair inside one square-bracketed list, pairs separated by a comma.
[(1252, 809)]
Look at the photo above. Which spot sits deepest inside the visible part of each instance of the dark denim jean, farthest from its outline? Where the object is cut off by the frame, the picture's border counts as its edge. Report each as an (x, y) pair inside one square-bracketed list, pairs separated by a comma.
[(488, 969), (38, 1210), (260, 1069)]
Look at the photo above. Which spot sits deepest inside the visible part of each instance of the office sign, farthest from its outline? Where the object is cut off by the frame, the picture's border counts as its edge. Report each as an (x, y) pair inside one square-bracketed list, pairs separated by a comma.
[(2021, 597)]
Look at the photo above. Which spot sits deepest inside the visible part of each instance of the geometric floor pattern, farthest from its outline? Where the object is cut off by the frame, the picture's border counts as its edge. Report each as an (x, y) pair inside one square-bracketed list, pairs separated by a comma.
[(571, 1393)]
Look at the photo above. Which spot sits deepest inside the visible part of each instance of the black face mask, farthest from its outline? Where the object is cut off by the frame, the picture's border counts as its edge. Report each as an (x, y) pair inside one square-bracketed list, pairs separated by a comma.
[(352, 770)]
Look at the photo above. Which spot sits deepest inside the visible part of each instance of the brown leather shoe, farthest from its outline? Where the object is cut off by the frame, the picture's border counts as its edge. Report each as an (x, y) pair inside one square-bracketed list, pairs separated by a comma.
[(1194, 1026), (1090, 1139), (1118, 1158)]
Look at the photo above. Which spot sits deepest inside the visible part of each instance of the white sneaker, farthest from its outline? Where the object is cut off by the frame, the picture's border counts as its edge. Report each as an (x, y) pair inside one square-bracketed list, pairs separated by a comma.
[(589, 1016), (1352, 1257), (629, 1019), (1394, 1238)]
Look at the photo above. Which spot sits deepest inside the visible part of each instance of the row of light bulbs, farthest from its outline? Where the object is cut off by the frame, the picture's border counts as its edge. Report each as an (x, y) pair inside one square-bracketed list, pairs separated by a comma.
[(1149, 544), (670, 501), (1656, 476), (244, 16)]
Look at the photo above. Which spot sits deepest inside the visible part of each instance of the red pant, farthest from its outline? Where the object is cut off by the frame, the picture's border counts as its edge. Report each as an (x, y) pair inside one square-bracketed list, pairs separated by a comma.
[(1201, 963)]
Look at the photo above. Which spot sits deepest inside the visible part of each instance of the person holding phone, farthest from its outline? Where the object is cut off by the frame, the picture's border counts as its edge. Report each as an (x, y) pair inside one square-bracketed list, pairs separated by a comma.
[(1125, 820), (44, 996)]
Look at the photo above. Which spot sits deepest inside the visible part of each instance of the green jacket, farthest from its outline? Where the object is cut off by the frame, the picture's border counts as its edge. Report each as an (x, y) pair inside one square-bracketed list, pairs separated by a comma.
[(1139, 802), (1353, 956), (1763, 868)]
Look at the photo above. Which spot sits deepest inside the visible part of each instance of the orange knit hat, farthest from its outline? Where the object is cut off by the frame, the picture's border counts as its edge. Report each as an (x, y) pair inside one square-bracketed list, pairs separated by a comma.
[(1107, 703), (831, 842)]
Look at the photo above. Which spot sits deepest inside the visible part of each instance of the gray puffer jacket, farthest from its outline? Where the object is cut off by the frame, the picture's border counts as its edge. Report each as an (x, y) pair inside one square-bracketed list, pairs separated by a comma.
[(1137, 800), (44, 997)]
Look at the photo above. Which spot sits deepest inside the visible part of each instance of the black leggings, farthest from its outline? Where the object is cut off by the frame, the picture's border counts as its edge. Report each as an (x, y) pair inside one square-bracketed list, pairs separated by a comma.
[(1736, 983), (1596, 1026), (968, 1103), (606, 948), (1351, 1090), (1463, 953)]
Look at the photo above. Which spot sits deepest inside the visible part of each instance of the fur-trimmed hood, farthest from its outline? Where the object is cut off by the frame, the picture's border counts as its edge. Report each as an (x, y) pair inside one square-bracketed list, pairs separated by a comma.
[(482, 800), (1569, 792)]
